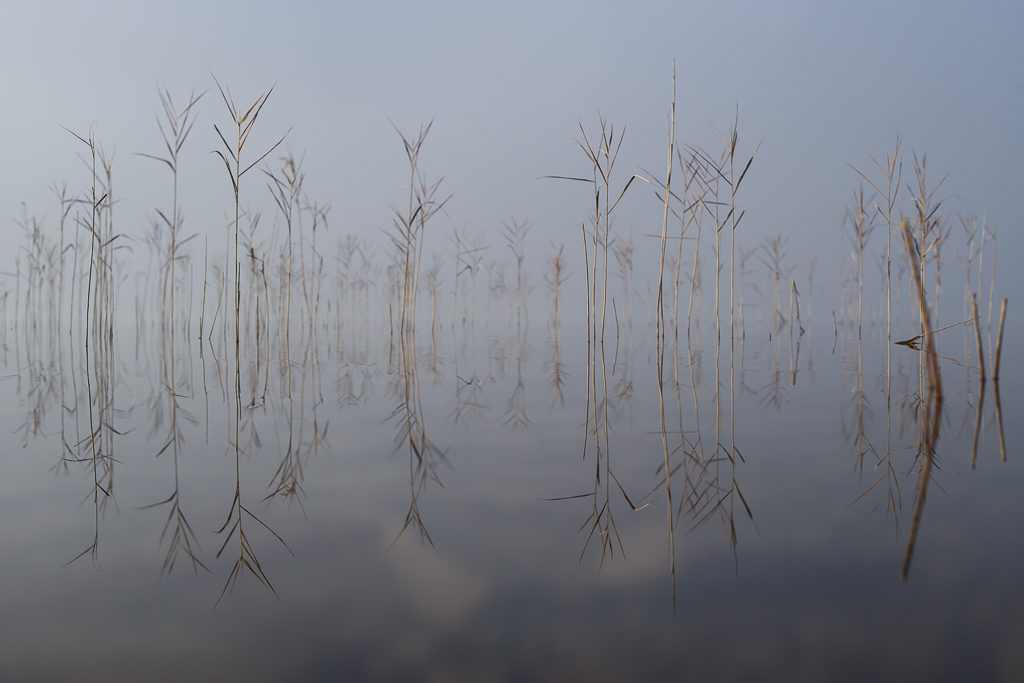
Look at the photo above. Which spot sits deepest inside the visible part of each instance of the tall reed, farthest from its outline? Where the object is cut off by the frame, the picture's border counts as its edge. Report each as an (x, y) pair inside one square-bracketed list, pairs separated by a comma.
[(174, 131), (890, 175), (668, 195), (425, 201), (733, 220), (861, 224), (929, 226), (602, 150), (231, 154)]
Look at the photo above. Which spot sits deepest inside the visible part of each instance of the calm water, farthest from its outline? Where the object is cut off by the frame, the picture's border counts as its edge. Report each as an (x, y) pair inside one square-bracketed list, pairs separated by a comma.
[(489, 501)]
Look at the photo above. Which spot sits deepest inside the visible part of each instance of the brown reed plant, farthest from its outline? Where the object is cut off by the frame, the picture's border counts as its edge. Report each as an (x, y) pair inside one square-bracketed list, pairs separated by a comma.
[(624, 252), (929, 226), (915, 255), (861, 225), (699, 211), (731, 217), (515, 239), (999, 342), (243, 122), (773, 256), (667, 197), (285, 188), (425, 201), (313, 282), (602, 150), (174, 131)]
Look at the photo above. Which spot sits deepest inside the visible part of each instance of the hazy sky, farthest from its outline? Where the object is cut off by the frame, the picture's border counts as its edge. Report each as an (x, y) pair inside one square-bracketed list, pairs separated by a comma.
[(818, 84)]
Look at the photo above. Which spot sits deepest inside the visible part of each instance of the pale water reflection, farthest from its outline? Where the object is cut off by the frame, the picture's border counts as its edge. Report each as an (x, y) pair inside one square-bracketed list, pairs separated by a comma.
[(494, 501)]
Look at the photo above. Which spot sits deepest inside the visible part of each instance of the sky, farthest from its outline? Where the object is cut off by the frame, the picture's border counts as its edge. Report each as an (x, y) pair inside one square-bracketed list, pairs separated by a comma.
[(818, 87)]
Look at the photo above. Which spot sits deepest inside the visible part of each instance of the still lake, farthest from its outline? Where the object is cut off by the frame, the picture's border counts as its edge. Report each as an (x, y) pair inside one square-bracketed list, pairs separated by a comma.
[(487, 500)]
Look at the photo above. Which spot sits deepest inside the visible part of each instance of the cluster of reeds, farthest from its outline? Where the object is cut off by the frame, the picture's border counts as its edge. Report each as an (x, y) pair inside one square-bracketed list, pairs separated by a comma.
[(930, 230), (924, 229), (708, 196), (602, 151), (80, 347), (67, 278), (263, 279)]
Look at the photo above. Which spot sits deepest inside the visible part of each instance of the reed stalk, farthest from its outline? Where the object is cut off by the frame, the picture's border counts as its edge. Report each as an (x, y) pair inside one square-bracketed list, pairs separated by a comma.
[(999, 342), (931, 232), (664, 222), (410, 227), (977, 336), (914, 254), (891, 174), (861, 224), (731, 217), (174, 130), (602, 150), (231, 154)]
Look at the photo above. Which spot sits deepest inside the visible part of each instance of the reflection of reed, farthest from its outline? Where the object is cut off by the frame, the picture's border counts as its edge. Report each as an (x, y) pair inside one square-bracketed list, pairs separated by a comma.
[(242, 420), (977, 422), (425, 457), (470, 397), (773, 256), (515, 415), (931, 418), (667, 471), (774, 392), (709, 485), (999, 421), (600, 521), (177, 531), (725, 493), (857, 433), (288, 478), (234, 526), (557, 374), (981, 372)]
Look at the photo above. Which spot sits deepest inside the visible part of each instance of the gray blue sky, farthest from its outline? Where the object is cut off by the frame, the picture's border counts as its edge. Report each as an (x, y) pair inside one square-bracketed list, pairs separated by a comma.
[(818, 84)]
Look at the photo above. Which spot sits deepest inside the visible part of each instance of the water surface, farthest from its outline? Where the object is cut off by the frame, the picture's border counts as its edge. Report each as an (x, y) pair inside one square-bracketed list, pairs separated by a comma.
[(487, 500)]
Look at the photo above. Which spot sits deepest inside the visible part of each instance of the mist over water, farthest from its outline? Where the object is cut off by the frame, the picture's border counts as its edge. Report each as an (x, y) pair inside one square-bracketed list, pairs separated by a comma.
[(484, 489), (363, 344)]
